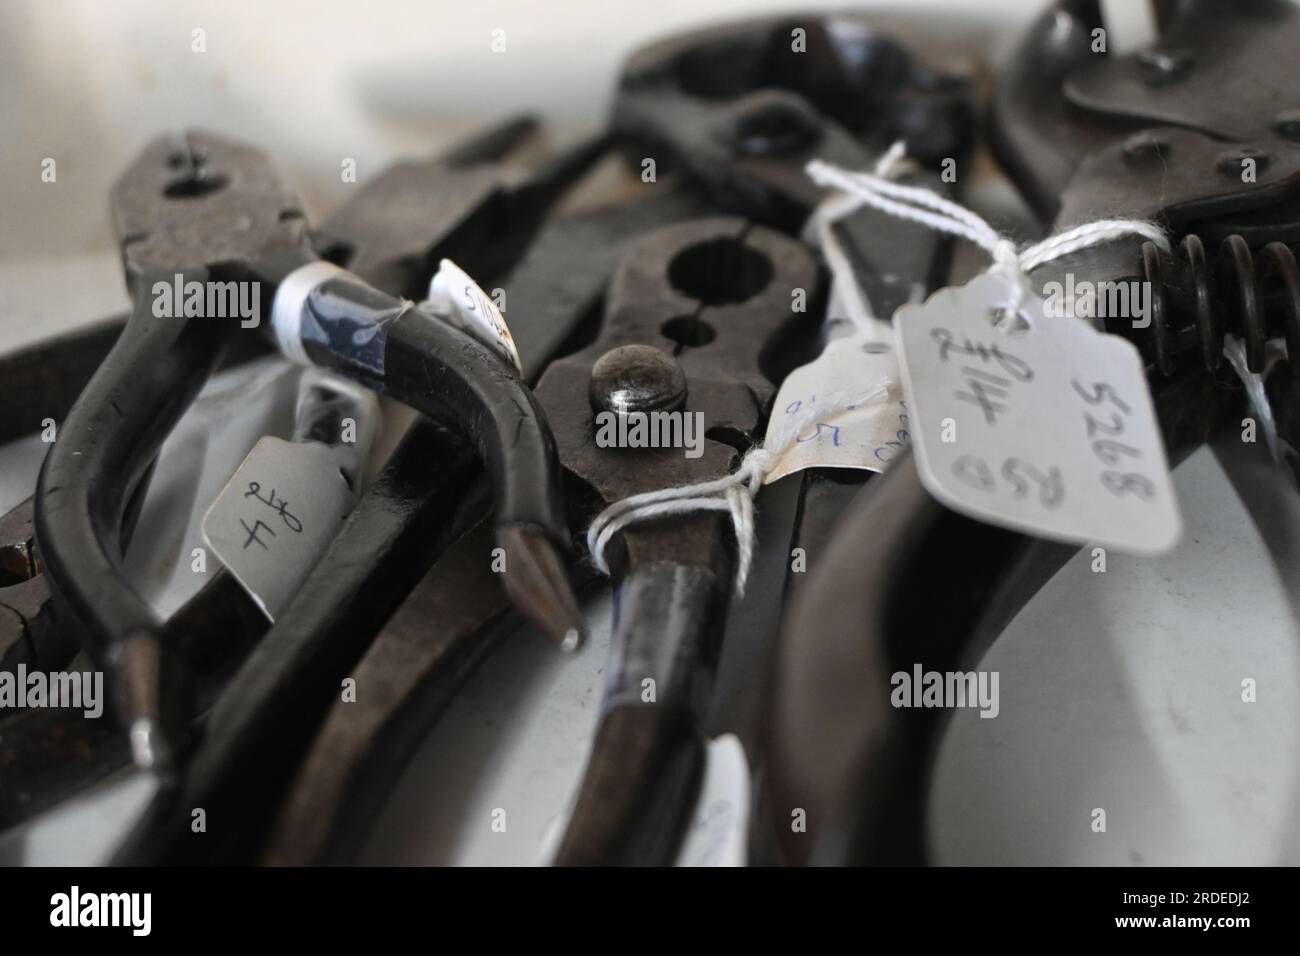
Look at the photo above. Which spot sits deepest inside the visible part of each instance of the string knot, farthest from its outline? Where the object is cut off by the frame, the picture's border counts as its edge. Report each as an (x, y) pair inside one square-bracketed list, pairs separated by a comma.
[(733, 494)]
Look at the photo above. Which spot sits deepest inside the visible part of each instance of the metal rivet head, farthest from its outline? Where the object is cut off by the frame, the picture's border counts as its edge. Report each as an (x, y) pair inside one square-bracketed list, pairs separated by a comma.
[(1159, 66), (636, 378)]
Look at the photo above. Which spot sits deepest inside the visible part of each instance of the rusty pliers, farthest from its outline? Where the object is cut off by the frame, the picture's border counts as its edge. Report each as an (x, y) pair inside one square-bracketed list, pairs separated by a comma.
[(213, 210), (1085, 136)]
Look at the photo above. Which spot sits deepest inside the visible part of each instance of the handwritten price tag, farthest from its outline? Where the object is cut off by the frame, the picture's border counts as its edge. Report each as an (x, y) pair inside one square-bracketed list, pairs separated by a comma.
[(844, 409), (276, 516), (1049, 431)]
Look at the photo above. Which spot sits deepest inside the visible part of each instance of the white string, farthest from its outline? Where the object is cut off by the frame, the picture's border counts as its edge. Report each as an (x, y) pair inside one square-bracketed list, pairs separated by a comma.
[(820, 232), (1235, 352), (924, 206), (735, 492), (289, 304)]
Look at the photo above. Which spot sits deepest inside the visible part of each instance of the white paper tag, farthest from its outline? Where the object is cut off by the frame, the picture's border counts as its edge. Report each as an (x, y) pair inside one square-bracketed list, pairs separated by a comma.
[(454, 296), (719, 830), (276, 516), (844, 409), (1050, 431)]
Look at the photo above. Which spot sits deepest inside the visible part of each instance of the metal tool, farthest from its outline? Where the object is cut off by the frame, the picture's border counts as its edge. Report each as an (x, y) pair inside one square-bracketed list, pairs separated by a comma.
[(834, 747), (218, 203), (692, 312), (745, 134), (272, 705), (742, 107), (363, 745), (457, 613)]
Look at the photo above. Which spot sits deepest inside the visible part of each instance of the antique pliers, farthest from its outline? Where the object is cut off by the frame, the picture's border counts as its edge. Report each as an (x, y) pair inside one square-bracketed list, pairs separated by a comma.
[(481, 207), (744, 135), (362, 745), (1086, 136), (212, 210)]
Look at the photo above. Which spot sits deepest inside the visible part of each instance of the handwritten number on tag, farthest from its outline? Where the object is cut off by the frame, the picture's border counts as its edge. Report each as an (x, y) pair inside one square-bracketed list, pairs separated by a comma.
[(986, 390), (252, 533), (280, 507), (1021, 477), (1109, 450), (1130, 483), (834, 433), (1015, 367), (1100, 392)]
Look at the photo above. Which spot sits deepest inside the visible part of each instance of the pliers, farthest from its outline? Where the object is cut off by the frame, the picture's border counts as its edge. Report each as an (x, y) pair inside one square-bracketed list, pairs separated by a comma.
[(675, 584), (1085, 137), (213, 209), (480, 207)]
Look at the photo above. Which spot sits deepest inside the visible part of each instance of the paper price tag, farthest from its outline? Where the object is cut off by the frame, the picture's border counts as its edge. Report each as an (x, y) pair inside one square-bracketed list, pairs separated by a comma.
[(276, 516), (719, 831), (1050, 431), (844, 409), (456, 297)]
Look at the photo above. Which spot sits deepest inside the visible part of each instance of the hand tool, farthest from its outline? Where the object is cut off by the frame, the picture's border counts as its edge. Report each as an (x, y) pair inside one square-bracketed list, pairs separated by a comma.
[(744, 106), (210, 634), (716, 294), (270, 708), (218, 203), (355, 753), (456, 614), (1087, 137), (745, 134), (457, 202)]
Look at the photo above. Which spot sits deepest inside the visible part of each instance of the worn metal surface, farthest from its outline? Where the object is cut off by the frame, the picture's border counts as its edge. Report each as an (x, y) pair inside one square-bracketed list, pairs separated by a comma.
[(269, 711), (739, 108), (451, 619), (715, 294), (834, 745), (221, 610)]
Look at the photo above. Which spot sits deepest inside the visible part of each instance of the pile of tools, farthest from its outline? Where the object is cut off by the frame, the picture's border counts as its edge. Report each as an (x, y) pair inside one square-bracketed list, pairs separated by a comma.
[(723, 286)]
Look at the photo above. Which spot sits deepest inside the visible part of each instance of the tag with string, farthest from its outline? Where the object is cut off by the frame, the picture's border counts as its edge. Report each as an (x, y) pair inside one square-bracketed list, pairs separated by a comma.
[(1020, 418), (845, 408), (1079, 456), (1047, 429)]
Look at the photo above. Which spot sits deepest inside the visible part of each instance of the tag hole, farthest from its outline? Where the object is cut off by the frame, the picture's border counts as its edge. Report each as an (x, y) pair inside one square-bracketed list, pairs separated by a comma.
[(875, 348), (1015, 326)]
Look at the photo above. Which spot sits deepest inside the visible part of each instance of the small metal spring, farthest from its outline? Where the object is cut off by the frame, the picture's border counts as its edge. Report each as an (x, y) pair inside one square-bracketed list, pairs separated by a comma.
[(1232, 297)]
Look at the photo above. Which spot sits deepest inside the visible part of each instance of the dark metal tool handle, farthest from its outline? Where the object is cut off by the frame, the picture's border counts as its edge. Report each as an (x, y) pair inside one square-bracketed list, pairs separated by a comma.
[(103, 448), (645, 761), (334, 319)]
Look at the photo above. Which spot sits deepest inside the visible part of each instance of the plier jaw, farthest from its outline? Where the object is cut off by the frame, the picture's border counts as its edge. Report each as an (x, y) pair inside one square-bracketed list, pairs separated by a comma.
[(202, 202)]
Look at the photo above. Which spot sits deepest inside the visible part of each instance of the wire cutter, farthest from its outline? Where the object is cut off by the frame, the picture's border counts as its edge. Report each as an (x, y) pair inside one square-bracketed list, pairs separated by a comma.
[(476, 205), (1084, 136), (212, 210), (363, 745)]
